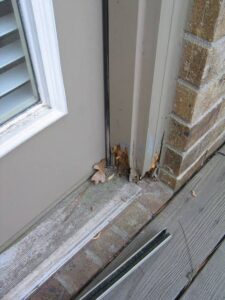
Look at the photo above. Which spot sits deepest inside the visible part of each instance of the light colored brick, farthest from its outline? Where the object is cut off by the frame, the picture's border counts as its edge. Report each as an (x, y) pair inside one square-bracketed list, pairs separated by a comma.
[(193, 63), (132, 219), (176, 182), (53, 290), (190, 103), (207, 19), (107, 245), (201, 62), (176, 162), (73, 275), (182, 136)]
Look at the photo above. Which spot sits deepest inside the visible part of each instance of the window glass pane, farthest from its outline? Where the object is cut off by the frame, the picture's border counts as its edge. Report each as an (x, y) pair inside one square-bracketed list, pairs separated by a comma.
[(18, 89)]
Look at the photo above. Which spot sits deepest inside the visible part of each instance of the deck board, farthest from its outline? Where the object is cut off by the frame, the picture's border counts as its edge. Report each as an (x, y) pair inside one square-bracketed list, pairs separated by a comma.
[(210, 283), (201, 219)]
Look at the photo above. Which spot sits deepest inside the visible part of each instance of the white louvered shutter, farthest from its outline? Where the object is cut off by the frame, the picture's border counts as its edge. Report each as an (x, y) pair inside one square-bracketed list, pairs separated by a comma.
[(17, 85)]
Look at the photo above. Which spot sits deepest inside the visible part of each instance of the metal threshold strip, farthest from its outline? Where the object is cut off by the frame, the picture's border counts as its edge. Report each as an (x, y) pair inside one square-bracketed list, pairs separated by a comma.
[(100, 290)]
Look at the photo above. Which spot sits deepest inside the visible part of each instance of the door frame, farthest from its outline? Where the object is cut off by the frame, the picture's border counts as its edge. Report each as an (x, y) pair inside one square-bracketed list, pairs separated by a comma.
[(151, 64)]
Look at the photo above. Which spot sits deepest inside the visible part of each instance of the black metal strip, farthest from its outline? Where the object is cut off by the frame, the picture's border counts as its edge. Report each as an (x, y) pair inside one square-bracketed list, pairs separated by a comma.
[(120, 273), (105, 24)]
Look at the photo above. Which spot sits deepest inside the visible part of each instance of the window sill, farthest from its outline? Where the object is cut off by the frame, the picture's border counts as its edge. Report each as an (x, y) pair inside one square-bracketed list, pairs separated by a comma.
[(26, 125)]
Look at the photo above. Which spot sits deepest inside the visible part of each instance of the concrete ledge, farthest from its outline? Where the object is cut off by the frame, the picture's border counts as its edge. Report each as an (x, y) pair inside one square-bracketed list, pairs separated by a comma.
[(60, 234), (136, 203)]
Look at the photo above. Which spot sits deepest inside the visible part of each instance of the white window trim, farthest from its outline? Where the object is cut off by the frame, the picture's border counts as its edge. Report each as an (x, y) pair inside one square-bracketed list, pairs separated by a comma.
[(39, 21)]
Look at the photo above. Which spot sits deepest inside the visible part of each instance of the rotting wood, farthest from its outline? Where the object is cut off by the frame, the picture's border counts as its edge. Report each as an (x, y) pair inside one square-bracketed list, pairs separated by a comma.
[(154, 166), (121, 159), (153, 171)]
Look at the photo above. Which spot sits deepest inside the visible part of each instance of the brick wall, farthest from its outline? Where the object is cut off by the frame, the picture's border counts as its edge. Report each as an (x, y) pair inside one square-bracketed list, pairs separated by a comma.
[(197, 124)]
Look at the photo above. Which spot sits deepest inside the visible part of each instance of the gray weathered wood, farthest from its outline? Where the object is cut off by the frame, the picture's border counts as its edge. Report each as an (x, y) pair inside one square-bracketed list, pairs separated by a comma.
[(196, 223), (210, 283)]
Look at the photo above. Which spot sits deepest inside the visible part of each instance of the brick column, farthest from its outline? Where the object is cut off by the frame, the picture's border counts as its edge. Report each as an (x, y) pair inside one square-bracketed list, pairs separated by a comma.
[(197, 125)]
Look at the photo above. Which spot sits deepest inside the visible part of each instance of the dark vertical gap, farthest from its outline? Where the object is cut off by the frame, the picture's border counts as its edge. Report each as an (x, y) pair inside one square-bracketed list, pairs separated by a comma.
[(200, 269), (105, 21)]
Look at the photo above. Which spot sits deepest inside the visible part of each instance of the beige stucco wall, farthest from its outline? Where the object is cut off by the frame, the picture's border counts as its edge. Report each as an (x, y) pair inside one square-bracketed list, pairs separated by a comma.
[(36, 174)]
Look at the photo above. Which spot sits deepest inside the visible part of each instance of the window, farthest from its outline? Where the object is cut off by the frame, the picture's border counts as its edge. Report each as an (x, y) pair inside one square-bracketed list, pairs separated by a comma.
[(32, 94), (18, 89)]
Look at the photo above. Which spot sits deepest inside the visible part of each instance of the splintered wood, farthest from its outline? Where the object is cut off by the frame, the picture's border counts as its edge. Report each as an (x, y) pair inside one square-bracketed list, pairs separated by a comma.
[(154, 166)]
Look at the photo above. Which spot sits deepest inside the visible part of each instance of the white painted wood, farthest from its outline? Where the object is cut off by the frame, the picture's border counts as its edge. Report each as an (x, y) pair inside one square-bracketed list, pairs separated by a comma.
[(13, 78), (39, 21), (144, 59), (168, 52), (7, 24), (166, 14), (10, 53), (25, 126), (15, 102)]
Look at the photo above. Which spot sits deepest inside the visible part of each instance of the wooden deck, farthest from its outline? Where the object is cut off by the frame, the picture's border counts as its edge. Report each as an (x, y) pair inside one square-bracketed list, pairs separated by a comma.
[(192, 264)]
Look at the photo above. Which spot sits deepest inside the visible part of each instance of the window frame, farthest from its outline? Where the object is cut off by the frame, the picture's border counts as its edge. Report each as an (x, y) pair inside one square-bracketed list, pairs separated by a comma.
[(40, 29)]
